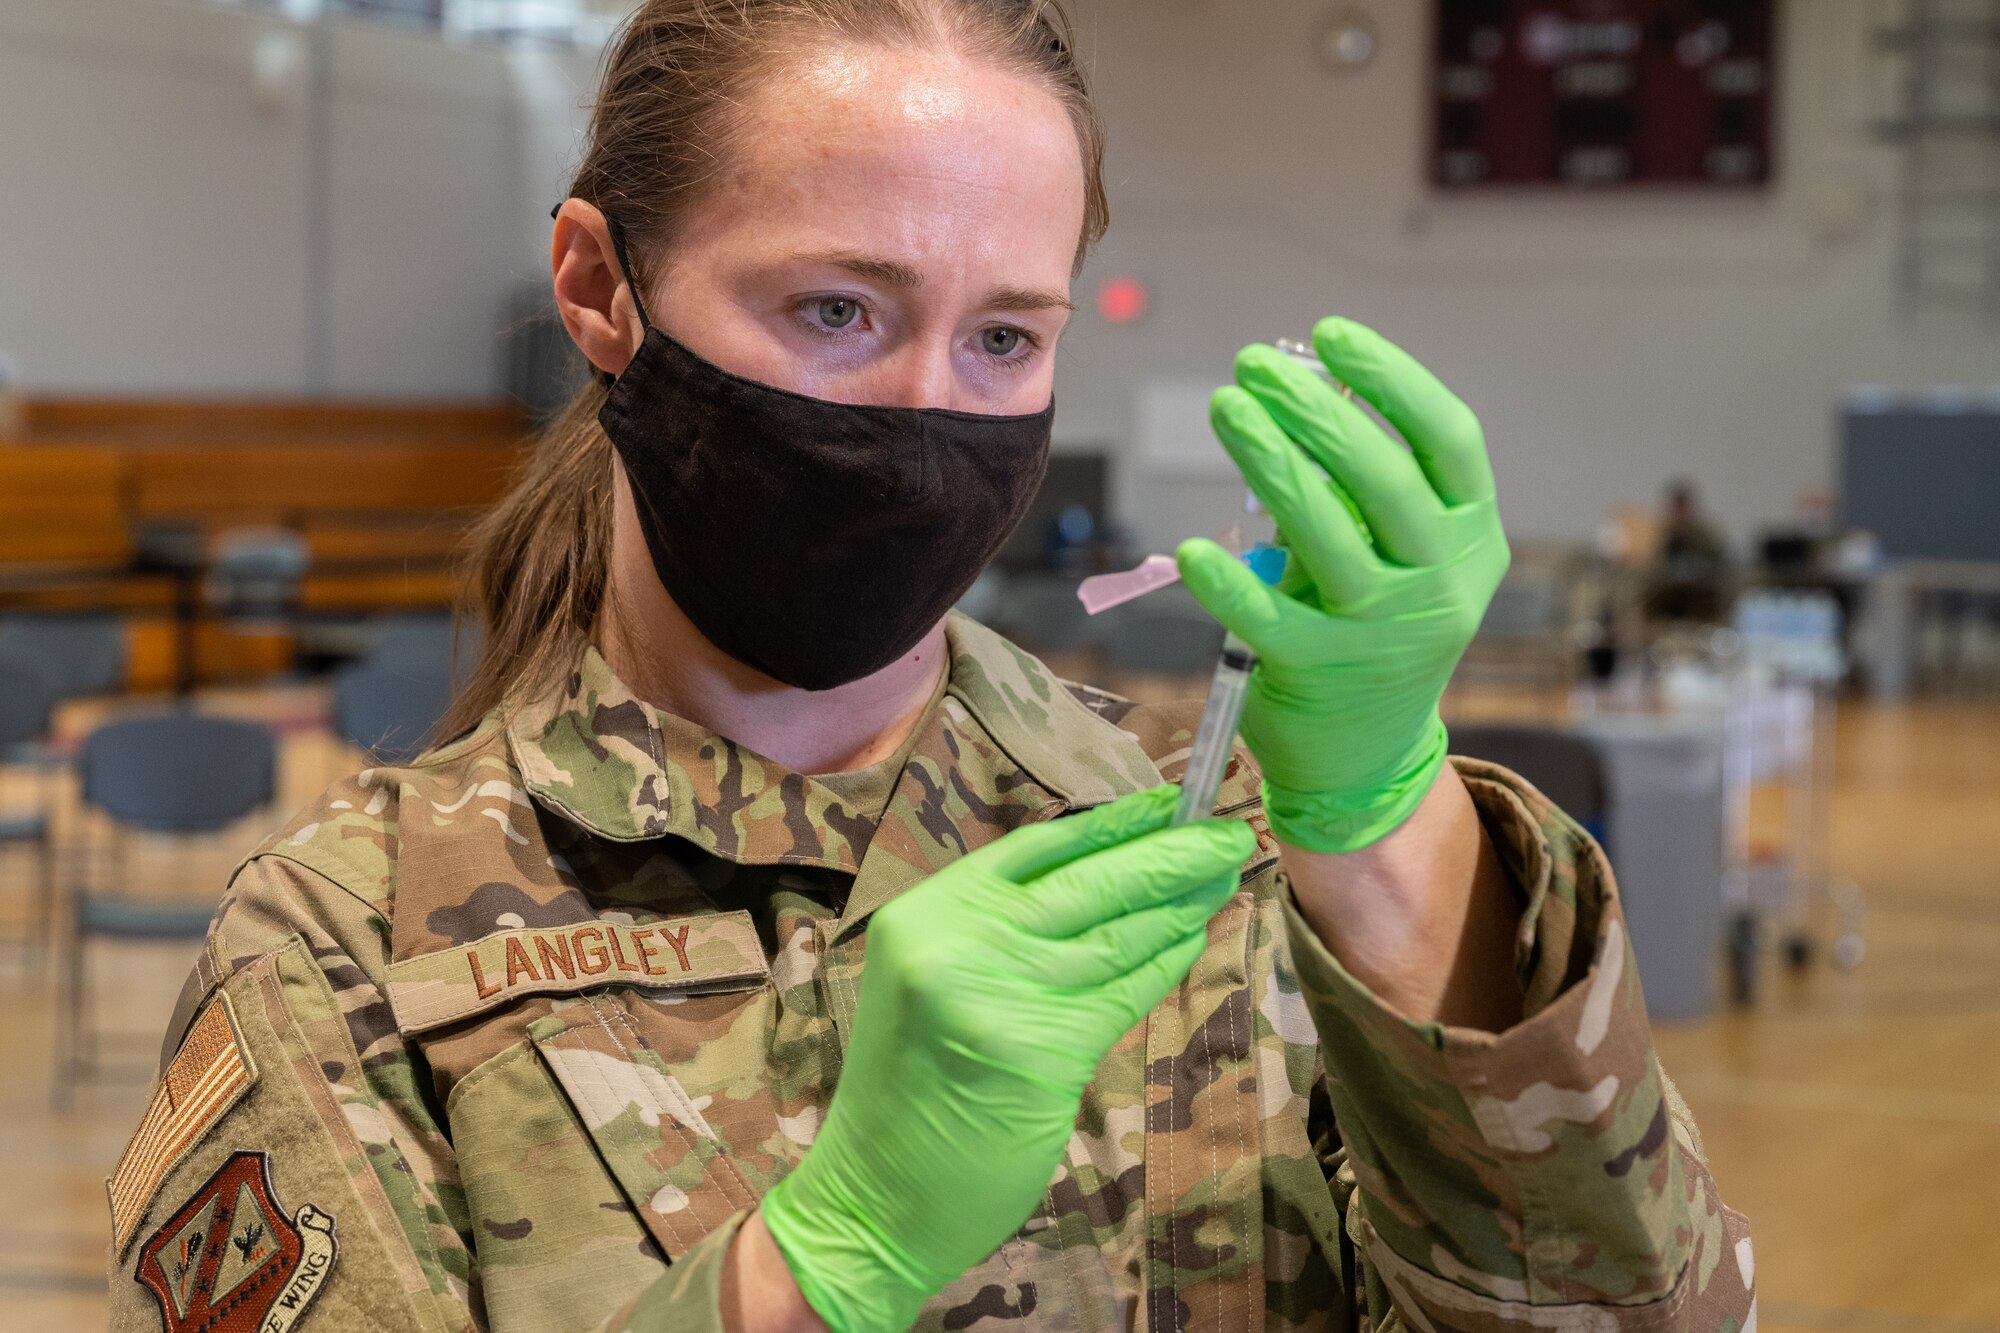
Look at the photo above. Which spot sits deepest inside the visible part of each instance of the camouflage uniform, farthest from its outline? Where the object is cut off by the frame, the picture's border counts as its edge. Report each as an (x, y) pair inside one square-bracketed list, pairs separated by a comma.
[(536, 1022)]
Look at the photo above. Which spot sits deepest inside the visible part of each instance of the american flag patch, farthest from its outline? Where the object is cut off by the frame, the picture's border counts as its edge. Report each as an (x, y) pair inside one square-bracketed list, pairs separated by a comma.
[(211, 1073)]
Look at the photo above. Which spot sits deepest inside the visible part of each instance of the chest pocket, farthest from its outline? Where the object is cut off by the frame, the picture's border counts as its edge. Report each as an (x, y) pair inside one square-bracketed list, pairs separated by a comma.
[(675, 1103), (655, 1035)]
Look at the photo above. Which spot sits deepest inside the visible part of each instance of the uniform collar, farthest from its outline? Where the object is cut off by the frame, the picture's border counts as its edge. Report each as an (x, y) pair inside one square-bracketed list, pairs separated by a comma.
[(1005, 743), (1028, 711)]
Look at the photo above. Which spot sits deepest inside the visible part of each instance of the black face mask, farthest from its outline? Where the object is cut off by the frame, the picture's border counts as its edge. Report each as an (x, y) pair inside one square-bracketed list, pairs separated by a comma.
[(815, 541)]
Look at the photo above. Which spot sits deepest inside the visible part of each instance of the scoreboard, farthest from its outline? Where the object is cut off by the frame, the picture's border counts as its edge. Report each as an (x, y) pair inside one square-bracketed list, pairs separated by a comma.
[(1602, 92)]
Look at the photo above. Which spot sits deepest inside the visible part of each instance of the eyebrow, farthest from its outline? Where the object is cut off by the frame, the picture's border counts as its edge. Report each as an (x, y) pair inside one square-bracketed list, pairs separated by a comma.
[(890, 273)]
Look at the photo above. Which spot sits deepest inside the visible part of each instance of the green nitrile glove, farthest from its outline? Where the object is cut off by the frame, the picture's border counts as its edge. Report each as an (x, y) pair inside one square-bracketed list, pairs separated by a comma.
[(990, 994), (1395, 555)]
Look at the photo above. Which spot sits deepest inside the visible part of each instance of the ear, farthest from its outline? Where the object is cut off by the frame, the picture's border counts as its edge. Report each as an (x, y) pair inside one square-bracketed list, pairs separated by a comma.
[(590, 290)]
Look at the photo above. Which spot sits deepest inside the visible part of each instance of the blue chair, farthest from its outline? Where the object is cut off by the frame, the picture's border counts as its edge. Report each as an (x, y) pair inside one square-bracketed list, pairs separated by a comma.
[(254, 573), (25, 705), (180, 775), (426, 645), (77, 656), (390, 713)]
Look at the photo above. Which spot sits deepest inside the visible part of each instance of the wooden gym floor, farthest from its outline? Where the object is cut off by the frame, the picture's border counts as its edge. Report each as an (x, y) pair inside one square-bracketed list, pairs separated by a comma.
[(1855, 1116)]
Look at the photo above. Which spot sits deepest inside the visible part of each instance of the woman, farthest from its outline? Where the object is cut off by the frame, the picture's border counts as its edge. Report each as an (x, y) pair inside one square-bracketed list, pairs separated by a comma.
[(567, 1025)]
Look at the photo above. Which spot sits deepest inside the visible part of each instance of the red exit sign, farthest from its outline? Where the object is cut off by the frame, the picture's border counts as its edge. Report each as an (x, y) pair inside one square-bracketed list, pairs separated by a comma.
[(1602, 92)]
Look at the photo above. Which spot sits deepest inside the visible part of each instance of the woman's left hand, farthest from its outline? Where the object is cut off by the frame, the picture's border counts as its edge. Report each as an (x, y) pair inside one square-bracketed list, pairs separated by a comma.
[(1394, 556)]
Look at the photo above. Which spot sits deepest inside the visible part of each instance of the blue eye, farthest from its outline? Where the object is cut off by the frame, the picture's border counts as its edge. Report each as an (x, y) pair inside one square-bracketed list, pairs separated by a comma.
[(1000, 341), (836, 312)]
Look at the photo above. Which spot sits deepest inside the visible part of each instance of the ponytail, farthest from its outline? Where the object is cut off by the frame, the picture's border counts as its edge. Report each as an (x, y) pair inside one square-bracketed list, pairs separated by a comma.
[(537, 565)]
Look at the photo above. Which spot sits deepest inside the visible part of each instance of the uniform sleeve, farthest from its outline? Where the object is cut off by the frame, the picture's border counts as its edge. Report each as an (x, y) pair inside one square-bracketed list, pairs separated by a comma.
[(1545, 1177), (687, 1298), (291, 1165)]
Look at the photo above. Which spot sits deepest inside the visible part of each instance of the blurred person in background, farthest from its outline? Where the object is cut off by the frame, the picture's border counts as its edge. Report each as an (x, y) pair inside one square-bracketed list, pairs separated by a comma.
[(566, 1025), (1690, 580)]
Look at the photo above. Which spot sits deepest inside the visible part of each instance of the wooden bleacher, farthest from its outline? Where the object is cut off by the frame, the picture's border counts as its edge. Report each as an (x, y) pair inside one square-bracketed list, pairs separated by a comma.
[(382, 495), (63, 507)]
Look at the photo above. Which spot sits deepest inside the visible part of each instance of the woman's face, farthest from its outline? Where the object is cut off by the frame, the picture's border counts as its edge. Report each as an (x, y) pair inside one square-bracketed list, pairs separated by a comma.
[(893, 227)]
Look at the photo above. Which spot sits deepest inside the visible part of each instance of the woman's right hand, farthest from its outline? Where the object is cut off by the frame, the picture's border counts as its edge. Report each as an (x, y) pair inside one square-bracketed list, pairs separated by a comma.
[(991, 992)]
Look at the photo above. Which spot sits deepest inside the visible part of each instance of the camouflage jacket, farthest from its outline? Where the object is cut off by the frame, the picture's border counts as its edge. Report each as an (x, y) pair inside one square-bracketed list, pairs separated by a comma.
[(516, 1036)]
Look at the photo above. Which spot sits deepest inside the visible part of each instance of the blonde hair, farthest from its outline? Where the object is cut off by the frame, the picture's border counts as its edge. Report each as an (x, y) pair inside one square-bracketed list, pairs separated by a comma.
[(538, 563)]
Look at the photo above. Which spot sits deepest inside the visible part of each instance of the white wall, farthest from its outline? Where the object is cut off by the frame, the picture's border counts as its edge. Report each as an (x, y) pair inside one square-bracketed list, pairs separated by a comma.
[(157, 237), (1608, 342), (165, 229)]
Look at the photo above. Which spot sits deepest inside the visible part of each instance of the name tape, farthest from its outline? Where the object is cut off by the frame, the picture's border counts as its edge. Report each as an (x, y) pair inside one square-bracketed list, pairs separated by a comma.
[(437, 988)]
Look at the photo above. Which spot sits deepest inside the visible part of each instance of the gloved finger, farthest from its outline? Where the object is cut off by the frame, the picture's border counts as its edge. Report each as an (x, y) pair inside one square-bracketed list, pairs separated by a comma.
[(1036, 849), (1261, 616), (1317, 525), (1396, 500), (1112, 948), (1442, 431), (1134, 995), (1146, 872)]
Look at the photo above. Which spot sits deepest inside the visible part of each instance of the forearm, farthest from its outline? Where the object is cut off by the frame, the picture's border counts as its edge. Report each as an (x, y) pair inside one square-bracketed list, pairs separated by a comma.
[(759, 1294), (1426, 917), (733, 1280)]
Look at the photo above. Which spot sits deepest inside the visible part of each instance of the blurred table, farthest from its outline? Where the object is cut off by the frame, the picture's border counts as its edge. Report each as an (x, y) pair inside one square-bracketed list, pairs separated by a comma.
[(1666, 831), (1889, 644)]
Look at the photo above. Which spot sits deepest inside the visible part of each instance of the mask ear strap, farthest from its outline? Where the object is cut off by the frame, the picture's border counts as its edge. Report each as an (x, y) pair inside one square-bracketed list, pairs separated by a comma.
[(625, 264)]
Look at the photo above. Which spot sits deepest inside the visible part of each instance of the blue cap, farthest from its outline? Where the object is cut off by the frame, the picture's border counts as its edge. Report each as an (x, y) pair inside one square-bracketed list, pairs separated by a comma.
[(1267, 562)]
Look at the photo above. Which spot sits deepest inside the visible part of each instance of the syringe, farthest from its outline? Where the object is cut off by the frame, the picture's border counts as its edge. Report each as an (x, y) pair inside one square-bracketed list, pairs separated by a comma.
[(1215, 738), (1302, 352), (1215, 735)]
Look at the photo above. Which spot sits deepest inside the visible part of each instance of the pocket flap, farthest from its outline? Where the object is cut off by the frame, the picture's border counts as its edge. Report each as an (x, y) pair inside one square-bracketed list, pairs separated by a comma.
[(682, 954), (676, 1171)]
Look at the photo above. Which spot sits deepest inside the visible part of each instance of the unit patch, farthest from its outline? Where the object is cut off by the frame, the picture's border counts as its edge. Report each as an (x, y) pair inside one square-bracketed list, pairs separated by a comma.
[(209, 1075), (230, 1261)]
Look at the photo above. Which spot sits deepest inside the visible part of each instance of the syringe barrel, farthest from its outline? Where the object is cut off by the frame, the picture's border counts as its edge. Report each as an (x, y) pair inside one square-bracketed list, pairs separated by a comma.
[(1215, 737), (1302, 352)]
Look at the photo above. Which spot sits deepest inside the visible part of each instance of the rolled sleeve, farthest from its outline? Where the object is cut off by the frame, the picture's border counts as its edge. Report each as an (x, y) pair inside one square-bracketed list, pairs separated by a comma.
[(688, 1296), (1542, 1177)]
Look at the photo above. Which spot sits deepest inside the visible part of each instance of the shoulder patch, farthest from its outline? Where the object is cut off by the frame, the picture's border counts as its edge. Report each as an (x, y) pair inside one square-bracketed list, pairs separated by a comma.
[(210, 1074), (230, 1261)]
